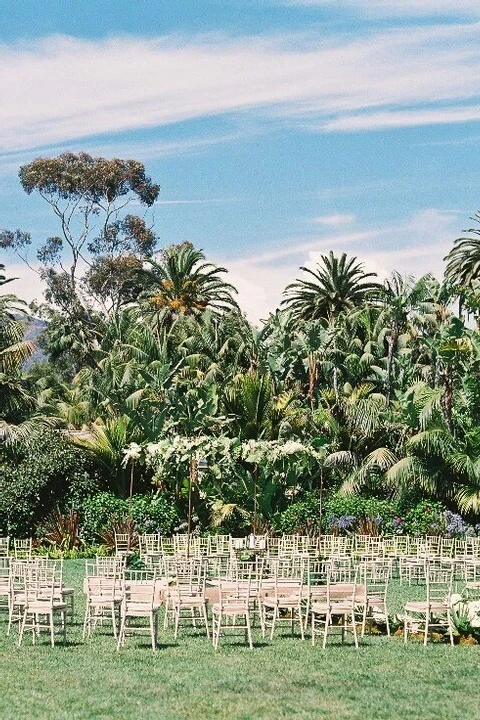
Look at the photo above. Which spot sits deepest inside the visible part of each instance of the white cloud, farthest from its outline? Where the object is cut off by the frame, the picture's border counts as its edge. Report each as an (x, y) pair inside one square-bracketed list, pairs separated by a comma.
[(405, 118), (335, 220), (416, 245), (400, 7), (63, 89)]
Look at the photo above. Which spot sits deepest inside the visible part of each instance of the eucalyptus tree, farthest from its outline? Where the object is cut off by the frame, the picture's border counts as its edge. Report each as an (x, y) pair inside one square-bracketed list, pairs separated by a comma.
[(91, 265)]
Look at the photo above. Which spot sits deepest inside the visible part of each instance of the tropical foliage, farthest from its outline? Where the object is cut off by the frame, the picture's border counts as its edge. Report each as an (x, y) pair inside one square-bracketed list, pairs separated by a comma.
[(353, 407)]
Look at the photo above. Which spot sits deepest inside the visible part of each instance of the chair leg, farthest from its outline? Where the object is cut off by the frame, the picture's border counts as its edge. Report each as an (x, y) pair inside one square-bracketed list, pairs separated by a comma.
[(364, 618), (300, 620), (121, 634), (386, 619), (205, 617), (152, 632), (114, 621), (274, 617), (22, 627), (427, 622), (86, 621), (249, 630), (176, 614), (328, 619), (216, 631), (52, 633), (354, 629)]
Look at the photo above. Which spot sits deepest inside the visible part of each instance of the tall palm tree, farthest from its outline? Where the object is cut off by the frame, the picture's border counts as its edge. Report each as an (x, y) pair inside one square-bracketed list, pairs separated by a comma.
[(463, 262), (182, 283), (19, 418), (408, 304), (338, 285)]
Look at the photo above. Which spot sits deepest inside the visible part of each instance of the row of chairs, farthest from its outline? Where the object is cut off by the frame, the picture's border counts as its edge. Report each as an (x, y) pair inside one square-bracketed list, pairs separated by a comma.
[(19, 547), (35, 595)]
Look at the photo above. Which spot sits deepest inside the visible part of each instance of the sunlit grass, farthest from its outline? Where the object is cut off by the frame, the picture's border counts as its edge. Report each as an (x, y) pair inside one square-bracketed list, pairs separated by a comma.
[(187, 680)]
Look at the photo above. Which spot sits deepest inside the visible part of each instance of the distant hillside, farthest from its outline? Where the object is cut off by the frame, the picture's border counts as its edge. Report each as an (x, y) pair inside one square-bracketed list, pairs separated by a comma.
[(34, 328)]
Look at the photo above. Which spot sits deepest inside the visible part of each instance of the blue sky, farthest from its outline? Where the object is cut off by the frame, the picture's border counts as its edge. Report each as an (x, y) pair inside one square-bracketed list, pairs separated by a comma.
[(277, 129)]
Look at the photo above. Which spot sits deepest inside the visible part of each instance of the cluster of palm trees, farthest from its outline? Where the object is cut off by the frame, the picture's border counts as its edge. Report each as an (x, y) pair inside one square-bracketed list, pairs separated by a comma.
[(383, 377)]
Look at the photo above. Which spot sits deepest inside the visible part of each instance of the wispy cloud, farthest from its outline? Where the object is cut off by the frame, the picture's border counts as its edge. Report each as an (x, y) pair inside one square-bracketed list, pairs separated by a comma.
[(65, 89), (399, 8), (335, 220)]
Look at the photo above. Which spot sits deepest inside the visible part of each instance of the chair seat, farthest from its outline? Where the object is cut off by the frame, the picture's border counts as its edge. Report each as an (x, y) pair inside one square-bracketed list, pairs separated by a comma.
[(334, 608), (102, 600), (39, 606), (139, 609), (231, 609), (423, 607), (290, 601), (195, 601)]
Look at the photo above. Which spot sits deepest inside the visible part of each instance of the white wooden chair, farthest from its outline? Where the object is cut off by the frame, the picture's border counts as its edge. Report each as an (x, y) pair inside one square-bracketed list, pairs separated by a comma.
[(234, 604), (104, 596), (435, 611), (139, 603), (340, 603), (40, 604)]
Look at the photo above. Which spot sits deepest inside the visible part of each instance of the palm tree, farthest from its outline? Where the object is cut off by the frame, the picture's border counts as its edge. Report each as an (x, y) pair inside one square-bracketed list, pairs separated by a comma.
[(182, 283), (408, 304), (19, 417), (463, 262), (338, 285)]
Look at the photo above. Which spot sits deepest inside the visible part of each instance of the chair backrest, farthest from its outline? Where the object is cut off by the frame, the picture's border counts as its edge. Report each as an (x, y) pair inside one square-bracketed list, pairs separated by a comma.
[(237, 593), (342, 592), (219, 544), (167, 545), (139, 590), (108, 566), (149, 544), (375, 577), (5, 569), (439, 580), (4, 546), (22, 548), (340, 569), (102, 588), (40, 583), (123, 543)]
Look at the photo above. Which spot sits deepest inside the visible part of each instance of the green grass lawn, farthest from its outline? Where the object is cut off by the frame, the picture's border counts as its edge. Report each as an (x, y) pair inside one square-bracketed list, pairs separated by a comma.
[(188, 680)]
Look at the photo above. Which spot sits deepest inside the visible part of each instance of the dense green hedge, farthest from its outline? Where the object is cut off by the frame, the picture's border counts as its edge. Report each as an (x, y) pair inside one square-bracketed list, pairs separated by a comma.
[(37, 476)]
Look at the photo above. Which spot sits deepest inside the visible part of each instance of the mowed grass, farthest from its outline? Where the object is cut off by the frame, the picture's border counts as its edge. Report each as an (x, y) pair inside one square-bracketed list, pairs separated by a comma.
[(188, 680)]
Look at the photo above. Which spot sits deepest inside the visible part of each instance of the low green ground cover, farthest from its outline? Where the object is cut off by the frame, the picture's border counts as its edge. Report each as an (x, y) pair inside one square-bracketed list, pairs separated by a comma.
[(188, 680)]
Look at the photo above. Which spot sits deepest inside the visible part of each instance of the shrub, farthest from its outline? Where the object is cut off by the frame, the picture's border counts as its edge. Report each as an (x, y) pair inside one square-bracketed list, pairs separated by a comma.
[(426, 518), (39, 475), (302, 516), (152, 513), (356, 513)]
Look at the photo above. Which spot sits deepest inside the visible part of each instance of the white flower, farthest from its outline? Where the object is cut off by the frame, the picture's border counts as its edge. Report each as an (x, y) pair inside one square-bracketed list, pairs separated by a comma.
[(132, 452)]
